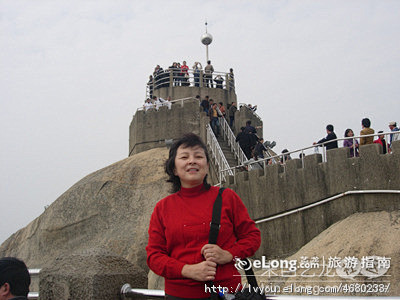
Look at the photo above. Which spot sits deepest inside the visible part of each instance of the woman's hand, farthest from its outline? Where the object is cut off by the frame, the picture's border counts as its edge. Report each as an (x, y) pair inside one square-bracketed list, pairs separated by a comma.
[(215, 254), (204, 271)]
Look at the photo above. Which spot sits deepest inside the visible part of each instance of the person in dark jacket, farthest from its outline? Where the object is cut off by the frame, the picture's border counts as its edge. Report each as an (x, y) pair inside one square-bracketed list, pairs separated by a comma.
[(205, 104), (232, 111), (252, 132), (331, 136), (259, 149), (244, 142)]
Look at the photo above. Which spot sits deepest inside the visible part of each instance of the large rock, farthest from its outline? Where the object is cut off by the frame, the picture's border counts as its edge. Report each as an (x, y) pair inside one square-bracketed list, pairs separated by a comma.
[(92, 274), (108, 209), (359, 235)]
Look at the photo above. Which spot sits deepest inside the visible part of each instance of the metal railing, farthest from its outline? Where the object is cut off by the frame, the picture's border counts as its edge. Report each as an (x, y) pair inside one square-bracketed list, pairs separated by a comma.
[(216, 152), (354, 140), (229, 136), (283, 157), (252, 110), (293, 211), (192, 78), (128, 292), (33, 273), (156, 106)]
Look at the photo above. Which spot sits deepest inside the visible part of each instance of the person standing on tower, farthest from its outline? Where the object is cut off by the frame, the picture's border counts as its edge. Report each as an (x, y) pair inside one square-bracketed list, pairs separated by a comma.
[(330, 136), (231, 80), (208, 70), (196, 73), (366, 130), (150, 85), (394, 136), (185, 74), (232, 111)]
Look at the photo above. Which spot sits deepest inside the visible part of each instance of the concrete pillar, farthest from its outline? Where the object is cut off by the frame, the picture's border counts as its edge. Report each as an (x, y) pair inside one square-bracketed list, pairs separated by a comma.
[(171, 79), (201, 79)]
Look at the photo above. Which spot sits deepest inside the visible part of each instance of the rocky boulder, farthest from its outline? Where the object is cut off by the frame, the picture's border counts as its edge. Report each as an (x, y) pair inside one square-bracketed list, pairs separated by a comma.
[(109, 209), (373, 236)]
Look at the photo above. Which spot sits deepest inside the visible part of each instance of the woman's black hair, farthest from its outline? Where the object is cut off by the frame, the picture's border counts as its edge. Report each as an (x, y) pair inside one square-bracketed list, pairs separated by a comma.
[(346, 133), (188, 140)]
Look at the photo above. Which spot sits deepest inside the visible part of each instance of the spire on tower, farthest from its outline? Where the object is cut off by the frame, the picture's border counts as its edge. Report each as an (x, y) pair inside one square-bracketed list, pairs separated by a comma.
[(206, 39)]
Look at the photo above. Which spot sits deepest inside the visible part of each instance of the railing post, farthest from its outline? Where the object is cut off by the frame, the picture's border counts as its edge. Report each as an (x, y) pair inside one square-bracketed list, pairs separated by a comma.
[(201, 79)]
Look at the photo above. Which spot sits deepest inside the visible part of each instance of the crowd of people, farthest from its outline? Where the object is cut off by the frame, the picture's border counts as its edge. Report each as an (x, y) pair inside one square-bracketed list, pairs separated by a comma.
[(254, 147), (217, 110), (249, 141), (365, 139), (181, 77)]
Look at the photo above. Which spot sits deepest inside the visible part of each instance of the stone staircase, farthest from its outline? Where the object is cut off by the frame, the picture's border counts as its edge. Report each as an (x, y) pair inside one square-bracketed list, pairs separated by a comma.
[(230, 157)]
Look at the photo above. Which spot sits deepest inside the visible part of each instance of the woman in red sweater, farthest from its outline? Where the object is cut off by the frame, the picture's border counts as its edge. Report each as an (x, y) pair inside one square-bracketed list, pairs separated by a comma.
[(178, 246)]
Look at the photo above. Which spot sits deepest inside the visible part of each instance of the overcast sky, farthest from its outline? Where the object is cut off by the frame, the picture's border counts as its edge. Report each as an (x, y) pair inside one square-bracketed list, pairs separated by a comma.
[(72, 74)]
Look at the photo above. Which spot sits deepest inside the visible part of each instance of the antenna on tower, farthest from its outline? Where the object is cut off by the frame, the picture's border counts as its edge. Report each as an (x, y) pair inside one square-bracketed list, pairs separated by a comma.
[(206, 39)]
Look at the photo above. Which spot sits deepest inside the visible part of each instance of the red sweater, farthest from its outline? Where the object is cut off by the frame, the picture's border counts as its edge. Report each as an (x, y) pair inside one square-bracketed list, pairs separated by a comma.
[(179, 228)]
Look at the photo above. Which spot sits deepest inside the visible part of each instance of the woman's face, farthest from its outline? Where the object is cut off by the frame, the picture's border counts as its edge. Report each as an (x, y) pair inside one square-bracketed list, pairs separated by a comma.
[(191, 166), (350, 133)]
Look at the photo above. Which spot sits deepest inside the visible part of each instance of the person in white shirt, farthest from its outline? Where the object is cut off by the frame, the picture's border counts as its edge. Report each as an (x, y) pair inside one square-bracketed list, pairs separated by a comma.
[(147, 105)]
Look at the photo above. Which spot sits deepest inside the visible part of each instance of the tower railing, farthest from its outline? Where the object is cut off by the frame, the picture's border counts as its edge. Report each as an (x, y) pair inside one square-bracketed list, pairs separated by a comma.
[(215, 150), (251, 109), (167, 103), (190, 78)]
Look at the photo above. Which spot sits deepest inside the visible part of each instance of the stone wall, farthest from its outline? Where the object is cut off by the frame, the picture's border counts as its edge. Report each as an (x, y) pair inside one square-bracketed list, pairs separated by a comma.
[(149, 129), (272, 191), (243, 114)]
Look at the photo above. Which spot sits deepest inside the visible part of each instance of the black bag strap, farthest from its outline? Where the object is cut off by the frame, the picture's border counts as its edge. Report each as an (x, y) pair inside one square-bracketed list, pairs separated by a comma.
[(249, 273), (214, 230), (212, 239), (216, 218)]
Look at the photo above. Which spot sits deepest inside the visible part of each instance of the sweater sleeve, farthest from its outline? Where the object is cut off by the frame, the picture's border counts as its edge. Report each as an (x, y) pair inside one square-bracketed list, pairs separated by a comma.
[(158, 259), (248, 237)]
